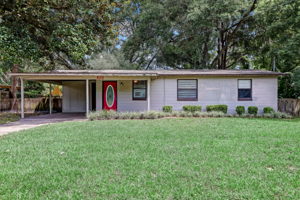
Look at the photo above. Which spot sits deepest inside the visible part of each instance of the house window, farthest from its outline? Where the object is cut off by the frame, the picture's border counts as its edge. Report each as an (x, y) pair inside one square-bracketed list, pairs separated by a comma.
[(139, 90), (245, 89), (187, 90)]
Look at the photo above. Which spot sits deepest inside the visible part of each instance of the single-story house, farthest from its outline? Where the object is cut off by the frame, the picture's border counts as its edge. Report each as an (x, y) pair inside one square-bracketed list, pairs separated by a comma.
[(137, 90)]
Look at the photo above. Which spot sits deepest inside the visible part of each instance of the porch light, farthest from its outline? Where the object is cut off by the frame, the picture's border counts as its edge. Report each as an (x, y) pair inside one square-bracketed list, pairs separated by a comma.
[(135, 81)]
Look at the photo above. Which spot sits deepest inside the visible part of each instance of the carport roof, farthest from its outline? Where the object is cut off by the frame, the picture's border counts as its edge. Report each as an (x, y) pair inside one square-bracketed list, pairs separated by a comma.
[(141, 73)]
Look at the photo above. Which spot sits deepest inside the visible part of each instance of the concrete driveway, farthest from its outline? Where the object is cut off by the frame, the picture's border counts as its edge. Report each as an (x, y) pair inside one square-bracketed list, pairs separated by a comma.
[(39, 120)]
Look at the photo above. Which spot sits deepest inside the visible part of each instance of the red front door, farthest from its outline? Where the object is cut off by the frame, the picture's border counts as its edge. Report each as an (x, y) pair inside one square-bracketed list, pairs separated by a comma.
[(110, 95)]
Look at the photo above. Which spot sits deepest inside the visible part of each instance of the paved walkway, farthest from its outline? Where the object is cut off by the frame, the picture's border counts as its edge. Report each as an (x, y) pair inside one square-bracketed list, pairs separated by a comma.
[(39, 120)]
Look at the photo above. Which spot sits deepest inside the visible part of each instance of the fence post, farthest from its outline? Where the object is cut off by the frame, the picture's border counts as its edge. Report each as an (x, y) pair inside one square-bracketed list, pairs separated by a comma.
[(22, 98), (50, 99)]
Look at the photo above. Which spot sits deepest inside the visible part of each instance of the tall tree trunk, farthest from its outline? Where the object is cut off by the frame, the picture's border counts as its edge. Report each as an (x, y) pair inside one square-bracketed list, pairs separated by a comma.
[(204, 59), (219, 54), (225, 55), (14, 83), (221, 47)]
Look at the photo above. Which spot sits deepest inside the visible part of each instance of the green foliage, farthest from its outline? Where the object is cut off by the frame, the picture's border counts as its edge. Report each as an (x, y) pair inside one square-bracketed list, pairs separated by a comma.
[(34, 89), (219, 108), (15, 48), (296, 81), (268, 110), (160, 36), (252, 110), (286, 87), (240, 110), (109, 60), (289, 84), (191, 108), (167, 108), (277, 38), (63, 32)]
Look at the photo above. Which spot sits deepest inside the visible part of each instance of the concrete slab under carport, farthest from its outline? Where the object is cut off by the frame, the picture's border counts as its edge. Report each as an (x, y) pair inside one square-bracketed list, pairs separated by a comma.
[(39, 120)]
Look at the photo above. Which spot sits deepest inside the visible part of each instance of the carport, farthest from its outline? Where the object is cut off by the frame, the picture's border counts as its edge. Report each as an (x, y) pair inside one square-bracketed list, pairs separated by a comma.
[(53, 78)]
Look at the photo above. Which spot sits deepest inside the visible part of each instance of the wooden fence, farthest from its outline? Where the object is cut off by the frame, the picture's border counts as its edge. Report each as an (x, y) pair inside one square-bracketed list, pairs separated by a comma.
[(32, 105), (291, 106)]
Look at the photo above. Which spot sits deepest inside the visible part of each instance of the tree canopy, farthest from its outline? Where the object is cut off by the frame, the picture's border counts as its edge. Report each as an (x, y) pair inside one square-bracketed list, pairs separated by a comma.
[(213, 34), (55, 32)]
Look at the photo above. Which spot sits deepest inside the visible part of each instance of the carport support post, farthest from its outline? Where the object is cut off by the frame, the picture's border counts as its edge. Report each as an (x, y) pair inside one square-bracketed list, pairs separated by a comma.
[(148, 93), (87, 97), (50, 99), (22, 98)]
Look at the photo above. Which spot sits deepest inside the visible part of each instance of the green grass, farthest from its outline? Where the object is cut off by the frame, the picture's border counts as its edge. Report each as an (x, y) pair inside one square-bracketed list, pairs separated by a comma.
[(213, 158), (8, 117)]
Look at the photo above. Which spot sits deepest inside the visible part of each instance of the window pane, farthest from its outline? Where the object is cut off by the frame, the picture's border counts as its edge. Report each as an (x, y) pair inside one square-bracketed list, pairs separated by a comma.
[(187, 84), (139, 84), (139, 93), (244, 84), (187, 94), (245, 93)]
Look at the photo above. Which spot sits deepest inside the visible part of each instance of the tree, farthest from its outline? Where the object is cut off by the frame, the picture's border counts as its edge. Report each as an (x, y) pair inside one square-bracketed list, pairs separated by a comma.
[(277, 41), (227, 22), (189, 34), (289, 85), (109, 60), (61, 32)]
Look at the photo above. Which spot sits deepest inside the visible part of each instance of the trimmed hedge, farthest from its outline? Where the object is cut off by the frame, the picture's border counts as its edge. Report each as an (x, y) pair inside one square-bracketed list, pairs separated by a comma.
[(167, 108), (191, 108), (112, 115), (252, 110), (268, 110), (217, 108), (240, 110)]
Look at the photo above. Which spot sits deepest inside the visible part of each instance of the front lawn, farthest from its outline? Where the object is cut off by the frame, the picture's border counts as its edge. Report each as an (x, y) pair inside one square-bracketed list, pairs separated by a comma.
[(188, 158)]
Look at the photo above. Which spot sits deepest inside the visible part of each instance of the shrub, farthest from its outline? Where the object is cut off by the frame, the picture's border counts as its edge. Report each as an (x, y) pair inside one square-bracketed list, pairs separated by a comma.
[(277, 115), (168, 114), (268, 110), (135, 115), (175, 113), (189, 114), (197, 114), (167, 108), (153, 115), (107, 115), (191, 108), (240, 110), (216, 114), (125, 115), (182, 114), (252, 110), (217, 108), (101, 115), (92, 116)]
